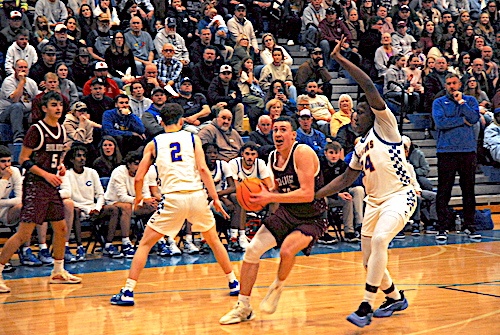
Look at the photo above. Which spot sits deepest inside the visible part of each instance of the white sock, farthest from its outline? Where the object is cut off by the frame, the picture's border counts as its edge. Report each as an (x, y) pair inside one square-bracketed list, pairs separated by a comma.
[(126, 240), (245, 299), (369, 297), (231, 276), (189, 238), (58, 265), (242, 232), (234, 233), (66, 244), (42, 246), (130, 284), (107, 245), (170, 240)]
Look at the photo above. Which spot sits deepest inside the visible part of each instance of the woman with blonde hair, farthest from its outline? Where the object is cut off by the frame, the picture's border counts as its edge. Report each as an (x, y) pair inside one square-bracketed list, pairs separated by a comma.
[(42, 31), (266, 54), (275, 108), (79, 128), (343, 116), (242, 50)]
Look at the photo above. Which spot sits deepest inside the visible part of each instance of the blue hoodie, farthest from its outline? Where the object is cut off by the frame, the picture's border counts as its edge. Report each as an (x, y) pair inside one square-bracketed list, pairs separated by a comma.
[(453, 135), (116, 124)]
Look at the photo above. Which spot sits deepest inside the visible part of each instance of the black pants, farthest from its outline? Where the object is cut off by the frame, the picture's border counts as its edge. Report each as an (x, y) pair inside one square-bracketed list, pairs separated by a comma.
[(448, 165)]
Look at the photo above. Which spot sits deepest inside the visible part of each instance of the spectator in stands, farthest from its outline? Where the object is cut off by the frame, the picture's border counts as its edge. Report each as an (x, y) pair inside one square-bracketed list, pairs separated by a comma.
[(314, 69), (54, 10), (150, 80), (277, 70), (492, 136), (220, 132), (197, 48), (417, 159), (239, 24), (320, 107), (66, 50), (124, 126), (463, 65), (279, 90), (151, 117), (51, 84), (477, 46), (42, 32), (45, 64), (266, 55), (100, 39), (7, 7), (473, 89), (186, 24), (346, 135), (82, 70), (252, 93), (242, 50), (490, 66), (169, 67), (8, 34), (79, 128), (67, 87), (435, 82), (169, 35), (275, 108), (223, 89), (383, 53), (110, 157), (429, 66), (484, 29), (86, 20), (454, 115), (343, 116), (197, 113), (141, 44), (20, 49), (308, 135), (331, 30), (204, 71), (466, 38), (429, 13), (121, 193), (120, 60), (74, 31), (402, 12), (370, 41), (16, 97), (356, 28), (97, 102), (477, 71), (396, 83), (263, 137), (313, 14), (138, 102), (401, 40), (104, 7), (387, 26), (101, 71)]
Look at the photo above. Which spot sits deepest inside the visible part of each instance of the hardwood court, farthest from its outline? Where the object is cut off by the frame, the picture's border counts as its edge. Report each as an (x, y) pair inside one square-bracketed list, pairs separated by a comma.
[(452, 289)]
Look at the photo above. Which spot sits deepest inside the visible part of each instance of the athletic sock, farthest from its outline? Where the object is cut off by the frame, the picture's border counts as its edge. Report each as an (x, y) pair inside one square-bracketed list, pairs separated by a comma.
[(42, 246), (231, 277), (245, 299), (108, 244), (394, 295), (66, 244), (189, 238), (370, 294), (126, 240), (58, 265), (130, 284), (242, 232), (234, 233), (170, 240)]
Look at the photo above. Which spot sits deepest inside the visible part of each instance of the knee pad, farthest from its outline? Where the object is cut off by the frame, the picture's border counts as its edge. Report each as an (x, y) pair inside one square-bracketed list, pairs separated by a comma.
[(253, 253)]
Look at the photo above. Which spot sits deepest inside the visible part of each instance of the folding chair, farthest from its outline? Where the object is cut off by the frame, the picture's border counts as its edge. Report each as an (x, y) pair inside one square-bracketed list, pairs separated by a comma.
[(335, 221)]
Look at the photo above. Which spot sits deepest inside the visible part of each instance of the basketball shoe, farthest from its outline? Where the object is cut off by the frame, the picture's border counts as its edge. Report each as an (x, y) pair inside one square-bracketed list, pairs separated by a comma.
[(243, 241), (363, 316), (3, 287), (239, 313), (234, 288), (64, 277), (270, 301), (189, 248), (124, 298), (390, 306)]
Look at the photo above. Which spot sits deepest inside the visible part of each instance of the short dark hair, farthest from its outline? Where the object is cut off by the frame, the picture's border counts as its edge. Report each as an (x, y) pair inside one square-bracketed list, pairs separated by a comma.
[(335, 146), (50, 96), (275, 49), (210, 145), (171, 113), (132, 156), (122, 96), (249, 145), (4, 151), (287, 119)]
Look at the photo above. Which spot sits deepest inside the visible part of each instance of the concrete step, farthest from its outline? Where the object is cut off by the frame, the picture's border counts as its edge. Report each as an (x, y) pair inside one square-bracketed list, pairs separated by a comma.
[(480, 179), (351, 90), (487, 200), (481, 189)]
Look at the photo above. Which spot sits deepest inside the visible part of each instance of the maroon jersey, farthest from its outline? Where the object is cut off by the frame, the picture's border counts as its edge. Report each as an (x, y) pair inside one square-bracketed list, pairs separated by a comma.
[(287, 180), (48, 145)]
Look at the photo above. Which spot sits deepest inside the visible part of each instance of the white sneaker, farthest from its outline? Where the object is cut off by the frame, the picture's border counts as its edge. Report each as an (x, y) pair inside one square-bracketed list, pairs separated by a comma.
[(174, 249), (243, 241), (290, 43), (270, 301), (3, 287), (190, 248), (64, 277), (239, 313)]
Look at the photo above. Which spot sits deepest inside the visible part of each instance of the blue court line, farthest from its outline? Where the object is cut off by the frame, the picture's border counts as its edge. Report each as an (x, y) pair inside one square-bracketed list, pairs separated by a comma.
[(105, 264), (225, 289)]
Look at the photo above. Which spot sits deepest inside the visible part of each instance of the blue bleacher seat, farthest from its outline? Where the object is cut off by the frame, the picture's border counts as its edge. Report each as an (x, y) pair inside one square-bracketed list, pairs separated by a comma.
[(6, 134)]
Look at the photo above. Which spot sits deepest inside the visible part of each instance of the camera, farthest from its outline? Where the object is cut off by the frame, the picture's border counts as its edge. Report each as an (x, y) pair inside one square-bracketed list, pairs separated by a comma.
[(280, 90)]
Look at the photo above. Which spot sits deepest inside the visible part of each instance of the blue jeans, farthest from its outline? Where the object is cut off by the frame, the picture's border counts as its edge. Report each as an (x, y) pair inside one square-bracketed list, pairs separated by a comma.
[(14, 115)]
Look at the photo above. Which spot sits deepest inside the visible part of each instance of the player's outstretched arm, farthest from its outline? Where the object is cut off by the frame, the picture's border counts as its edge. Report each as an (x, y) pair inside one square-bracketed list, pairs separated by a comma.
[(339, 183), (146, 161), (372, 95), (206, 176)]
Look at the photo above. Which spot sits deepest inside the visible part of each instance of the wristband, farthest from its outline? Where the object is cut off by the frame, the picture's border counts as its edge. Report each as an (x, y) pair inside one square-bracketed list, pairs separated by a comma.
[(28, 164)]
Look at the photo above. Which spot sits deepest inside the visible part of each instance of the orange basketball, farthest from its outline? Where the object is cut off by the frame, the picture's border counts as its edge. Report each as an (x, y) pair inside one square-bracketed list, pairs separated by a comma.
[(244, 190)]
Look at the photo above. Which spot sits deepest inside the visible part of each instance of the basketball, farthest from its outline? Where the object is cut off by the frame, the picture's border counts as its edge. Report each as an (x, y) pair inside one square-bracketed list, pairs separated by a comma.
[(243, 192)]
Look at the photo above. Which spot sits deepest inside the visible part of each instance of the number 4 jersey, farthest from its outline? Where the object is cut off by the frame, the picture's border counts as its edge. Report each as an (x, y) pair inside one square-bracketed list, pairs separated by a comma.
[(383, 162), (175, 162)]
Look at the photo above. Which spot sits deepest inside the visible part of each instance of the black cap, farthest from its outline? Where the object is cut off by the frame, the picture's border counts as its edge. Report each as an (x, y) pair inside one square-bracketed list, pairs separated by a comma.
[(331, 10), (158, 89), (98, 81)]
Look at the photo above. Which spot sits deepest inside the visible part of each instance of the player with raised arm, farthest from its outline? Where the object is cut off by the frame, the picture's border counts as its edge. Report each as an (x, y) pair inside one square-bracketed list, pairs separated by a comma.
[(182, 173), (391, 198), (296, 224)]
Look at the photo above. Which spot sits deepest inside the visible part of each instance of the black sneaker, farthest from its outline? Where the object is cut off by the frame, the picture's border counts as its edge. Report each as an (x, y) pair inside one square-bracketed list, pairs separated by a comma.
[(472, 234), (8, 268), (327, 239), (390, 306), (441, 236), (352, 237), (400, 236)]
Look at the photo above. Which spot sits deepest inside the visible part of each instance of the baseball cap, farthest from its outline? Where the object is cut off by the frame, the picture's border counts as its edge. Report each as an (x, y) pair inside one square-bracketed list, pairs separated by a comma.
[(305, 112), (104, 17), (77, 106), (406, 141), (60, 28), (401, 24), (225, 68), (171, 22), (185, 79), (49, 49), (241, 6), (100, 66), (15, 14), (82, 51), (98, 81), (316, 50), (404, 8), (331, 10), (158, 89)]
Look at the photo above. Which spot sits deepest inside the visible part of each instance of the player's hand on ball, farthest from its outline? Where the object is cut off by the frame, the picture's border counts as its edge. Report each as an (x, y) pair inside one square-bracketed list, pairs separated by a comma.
[(262, 198), (61, 170), (218, 207)]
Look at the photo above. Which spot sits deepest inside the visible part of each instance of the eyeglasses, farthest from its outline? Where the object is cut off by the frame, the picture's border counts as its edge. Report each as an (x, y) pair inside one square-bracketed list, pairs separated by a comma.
[(5, 160), (244, 39), (472, 81), (226, 73), (168, 50), (84, 111), (303, 104)]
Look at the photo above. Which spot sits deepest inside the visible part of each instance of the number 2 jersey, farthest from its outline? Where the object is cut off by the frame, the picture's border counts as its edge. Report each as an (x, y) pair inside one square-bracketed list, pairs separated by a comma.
[(380, 154), (47, 143), (176, 163)]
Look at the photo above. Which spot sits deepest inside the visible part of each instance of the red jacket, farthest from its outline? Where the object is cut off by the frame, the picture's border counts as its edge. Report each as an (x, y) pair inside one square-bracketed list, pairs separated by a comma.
[(112, 89)]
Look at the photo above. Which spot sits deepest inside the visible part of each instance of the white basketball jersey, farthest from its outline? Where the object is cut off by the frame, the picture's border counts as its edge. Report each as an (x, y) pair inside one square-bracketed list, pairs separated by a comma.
[(175, 162), (220, 173), (383, 162), (258, 170)]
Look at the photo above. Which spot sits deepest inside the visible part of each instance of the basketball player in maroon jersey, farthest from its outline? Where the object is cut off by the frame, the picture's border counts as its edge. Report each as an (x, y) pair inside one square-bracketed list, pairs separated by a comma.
[(40, 156)]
